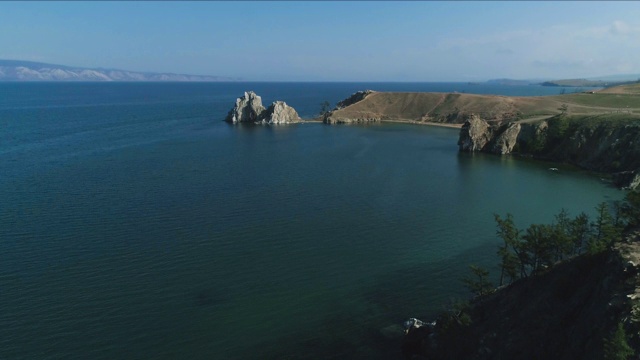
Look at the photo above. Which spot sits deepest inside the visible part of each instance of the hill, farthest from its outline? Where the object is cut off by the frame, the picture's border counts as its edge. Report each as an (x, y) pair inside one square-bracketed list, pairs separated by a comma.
[(630, 89), (17, 70), (567, 290), (570, 310), (579, 83), (453, 108)]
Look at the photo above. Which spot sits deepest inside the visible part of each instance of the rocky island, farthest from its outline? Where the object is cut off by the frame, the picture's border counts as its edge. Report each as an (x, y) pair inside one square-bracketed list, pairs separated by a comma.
[(249, 109)]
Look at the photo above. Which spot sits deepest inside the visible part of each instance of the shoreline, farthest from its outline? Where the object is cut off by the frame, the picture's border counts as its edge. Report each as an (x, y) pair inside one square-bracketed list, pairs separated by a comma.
[(413, 122)]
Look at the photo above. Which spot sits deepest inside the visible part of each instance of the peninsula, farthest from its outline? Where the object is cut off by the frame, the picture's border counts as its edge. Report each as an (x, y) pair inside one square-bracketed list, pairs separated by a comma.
[(597, 131)]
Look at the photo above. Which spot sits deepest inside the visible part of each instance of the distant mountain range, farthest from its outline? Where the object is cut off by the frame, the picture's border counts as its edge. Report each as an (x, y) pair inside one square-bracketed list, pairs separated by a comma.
[(16, 70)]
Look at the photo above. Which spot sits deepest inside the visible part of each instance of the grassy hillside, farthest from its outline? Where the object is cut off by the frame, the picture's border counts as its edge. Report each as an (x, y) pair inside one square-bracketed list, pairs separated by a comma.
[(452, 107), (633, 89)]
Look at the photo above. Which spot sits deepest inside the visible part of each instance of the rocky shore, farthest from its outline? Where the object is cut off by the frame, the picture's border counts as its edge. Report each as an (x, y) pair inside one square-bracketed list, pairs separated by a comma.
[(605, 144)]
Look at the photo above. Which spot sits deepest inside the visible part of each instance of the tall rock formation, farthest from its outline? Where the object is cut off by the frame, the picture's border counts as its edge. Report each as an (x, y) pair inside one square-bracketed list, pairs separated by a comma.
[(506, 141), (475, 134), (280, 113), (249, 109)]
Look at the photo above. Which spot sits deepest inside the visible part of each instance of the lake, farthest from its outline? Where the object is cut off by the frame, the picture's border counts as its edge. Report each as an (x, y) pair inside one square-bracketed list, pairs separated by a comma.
[(135, 224)]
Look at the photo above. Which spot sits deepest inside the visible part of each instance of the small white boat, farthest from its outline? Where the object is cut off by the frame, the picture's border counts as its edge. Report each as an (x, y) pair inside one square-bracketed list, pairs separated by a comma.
[(553, 169)]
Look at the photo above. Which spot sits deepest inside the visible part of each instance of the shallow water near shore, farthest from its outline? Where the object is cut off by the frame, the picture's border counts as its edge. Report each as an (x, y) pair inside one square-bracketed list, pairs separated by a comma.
[(135, 224)]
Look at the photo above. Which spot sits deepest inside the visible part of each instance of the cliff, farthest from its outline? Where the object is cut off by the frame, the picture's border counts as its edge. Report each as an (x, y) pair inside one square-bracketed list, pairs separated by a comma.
[(249, 109), (603, 143)]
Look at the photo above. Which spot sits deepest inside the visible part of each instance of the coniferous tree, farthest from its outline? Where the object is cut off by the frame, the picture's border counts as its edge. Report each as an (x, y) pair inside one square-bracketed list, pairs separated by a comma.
[(510, 248), (605, 231), (561, 235), (479, 283), (579, 232), (539, 245), (616, 346)]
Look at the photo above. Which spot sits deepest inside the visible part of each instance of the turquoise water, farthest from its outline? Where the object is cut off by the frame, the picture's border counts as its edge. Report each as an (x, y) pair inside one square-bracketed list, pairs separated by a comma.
[(135, 224)]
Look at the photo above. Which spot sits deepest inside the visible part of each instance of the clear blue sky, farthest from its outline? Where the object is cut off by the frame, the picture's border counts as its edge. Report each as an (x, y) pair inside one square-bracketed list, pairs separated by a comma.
[(331, 41)]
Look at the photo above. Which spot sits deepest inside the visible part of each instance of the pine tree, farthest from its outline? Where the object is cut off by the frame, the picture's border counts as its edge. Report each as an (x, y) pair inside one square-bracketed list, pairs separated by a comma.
[(509, 249), (579, 232), (616, 347), (539, 245), (605, 231), (478, 283), (561, 236)]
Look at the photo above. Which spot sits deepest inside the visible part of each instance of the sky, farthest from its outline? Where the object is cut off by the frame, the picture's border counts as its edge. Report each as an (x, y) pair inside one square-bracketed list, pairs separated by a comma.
[(330, 40)]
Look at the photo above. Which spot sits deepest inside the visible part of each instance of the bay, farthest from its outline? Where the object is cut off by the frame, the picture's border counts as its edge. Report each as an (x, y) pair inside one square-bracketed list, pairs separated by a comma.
[(135, 224)]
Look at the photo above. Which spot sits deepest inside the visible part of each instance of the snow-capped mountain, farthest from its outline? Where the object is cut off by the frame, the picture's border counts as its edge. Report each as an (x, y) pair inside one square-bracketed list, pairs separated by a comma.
[(16, 70)]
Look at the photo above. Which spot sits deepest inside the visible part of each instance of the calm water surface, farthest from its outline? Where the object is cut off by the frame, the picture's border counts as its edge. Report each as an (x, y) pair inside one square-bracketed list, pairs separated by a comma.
[(135, 224)]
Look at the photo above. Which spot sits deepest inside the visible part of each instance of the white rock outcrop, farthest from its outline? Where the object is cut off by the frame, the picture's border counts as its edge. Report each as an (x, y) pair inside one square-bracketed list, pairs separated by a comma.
[(280, 113), (247, 109), (474, 134), (507, 140)]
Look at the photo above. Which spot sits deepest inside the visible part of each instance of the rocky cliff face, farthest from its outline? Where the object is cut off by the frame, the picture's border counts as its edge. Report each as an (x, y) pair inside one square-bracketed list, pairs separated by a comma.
[(280, 113), (475, 134), (599, 144), (249, 109), (506, 141)]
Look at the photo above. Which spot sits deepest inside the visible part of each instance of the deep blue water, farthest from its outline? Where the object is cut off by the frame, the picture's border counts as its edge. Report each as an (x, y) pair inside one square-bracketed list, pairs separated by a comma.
[(135, 224)]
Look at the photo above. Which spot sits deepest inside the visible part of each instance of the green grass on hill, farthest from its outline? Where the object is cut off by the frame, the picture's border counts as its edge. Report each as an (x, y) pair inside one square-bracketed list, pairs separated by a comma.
[(615, 101), (603, 119)]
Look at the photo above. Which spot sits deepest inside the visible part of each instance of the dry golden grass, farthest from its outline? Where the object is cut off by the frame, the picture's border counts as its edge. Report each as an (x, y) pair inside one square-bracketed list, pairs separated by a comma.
[(633, 89), (451, 107)]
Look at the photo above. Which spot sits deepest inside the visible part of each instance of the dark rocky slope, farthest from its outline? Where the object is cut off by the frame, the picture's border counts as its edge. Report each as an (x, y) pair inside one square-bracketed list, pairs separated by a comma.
[(564, 313)]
